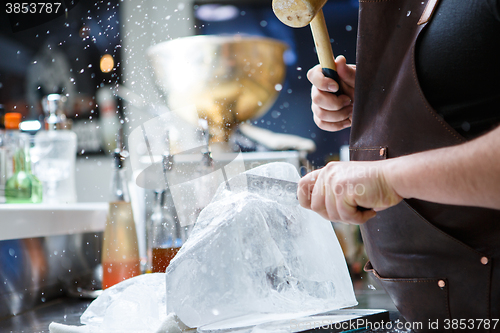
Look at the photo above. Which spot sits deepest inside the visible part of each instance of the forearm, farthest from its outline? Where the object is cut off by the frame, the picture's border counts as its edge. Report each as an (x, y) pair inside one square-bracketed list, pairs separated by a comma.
[(466, 174)]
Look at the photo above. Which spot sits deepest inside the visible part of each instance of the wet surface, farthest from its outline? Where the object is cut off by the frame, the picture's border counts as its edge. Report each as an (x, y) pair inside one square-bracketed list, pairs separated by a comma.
[(68, 311), (63, 310)]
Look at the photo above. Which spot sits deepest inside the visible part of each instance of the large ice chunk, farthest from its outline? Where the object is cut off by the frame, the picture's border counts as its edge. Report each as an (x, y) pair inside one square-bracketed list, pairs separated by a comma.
[(253, 258)]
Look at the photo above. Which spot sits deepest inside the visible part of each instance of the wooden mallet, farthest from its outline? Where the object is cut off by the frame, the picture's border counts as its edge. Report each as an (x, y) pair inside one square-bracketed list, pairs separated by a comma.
[(299, 13)]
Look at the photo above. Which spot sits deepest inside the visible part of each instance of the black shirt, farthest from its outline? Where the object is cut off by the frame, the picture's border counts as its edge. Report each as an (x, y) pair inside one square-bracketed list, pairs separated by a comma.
[(458, 64)]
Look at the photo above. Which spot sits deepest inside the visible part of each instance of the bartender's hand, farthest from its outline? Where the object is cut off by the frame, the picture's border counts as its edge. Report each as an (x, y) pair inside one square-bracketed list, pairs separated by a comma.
[(332, 113), (336, 191)]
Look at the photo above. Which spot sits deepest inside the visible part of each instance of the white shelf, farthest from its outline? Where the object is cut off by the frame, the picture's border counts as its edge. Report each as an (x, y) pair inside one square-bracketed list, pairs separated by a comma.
[(39, 220)]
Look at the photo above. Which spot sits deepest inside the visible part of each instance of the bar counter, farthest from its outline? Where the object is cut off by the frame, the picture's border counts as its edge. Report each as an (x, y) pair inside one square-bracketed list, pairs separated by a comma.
[(68, 311)]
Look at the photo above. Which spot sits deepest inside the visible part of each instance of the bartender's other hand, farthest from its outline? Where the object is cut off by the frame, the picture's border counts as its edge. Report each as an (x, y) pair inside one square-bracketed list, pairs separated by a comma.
[(332, 113), (337, 190)]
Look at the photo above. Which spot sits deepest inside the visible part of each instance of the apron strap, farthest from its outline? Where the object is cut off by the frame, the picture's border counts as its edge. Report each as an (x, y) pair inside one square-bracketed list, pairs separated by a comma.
[(428, 11)]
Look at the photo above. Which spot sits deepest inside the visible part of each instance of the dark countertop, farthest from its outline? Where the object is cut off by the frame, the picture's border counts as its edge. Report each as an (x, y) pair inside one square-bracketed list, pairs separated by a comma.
[(62, 310), (68, 311)]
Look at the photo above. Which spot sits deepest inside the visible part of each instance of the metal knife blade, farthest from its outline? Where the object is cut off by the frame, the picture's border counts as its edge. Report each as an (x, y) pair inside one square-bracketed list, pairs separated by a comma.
[(278, 188)]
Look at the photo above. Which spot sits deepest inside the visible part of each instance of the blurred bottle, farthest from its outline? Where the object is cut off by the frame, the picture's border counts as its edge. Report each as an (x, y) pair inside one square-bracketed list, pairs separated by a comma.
[(54, 153), (166, 241), (206, 184), (109, 121), (3, 155), (12, 139), (164, 231), (2, 116), (21, 185), (120, 252)]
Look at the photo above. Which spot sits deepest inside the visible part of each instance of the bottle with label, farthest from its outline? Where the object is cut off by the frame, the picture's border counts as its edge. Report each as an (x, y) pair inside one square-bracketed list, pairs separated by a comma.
[(120, 252), (21, 185), (54, 153)]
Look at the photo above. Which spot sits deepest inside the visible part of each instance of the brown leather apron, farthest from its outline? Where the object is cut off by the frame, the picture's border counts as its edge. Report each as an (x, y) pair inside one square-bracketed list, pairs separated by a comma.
[(439, 263)]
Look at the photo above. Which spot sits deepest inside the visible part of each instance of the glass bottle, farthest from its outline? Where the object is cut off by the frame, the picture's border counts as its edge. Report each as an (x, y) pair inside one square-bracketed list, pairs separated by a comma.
[(22, 186), (120, 252), (165, 230), (3, 155), (206, 182), (165, 239), (54, 153)]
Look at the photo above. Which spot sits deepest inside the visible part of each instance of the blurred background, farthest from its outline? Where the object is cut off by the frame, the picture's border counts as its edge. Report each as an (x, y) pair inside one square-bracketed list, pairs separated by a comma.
[(95, 55), (103, 44)]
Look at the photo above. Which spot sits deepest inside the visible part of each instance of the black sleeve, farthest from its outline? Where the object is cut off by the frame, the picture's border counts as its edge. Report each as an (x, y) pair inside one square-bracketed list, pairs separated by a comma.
[(495, 8), (457, 64)]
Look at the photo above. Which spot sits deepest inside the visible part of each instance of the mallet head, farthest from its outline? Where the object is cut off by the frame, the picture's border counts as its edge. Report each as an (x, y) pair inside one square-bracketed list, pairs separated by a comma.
[(297, 13)]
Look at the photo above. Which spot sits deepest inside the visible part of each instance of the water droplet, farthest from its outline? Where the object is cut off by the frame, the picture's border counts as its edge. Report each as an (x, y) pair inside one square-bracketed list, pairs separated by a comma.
[(348, 27), (370, 286), (278, 87), (263, 23)]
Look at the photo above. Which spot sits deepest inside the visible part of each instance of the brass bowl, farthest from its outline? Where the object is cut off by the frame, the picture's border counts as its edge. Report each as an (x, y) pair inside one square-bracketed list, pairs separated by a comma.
[(229, 79)]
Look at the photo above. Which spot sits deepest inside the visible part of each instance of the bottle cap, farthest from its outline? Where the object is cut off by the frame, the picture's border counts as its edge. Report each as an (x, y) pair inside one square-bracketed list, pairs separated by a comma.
[(12, 120)]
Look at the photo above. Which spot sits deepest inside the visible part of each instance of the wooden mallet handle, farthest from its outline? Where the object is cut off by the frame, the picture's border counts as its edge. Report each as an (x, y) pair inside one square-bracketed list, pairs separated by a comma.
[(324, 49)]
